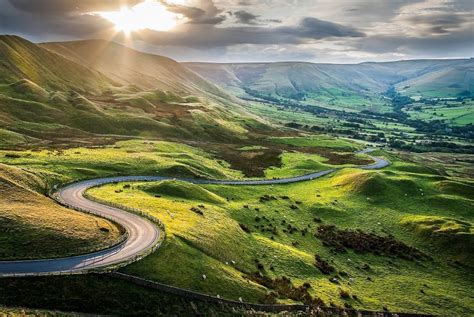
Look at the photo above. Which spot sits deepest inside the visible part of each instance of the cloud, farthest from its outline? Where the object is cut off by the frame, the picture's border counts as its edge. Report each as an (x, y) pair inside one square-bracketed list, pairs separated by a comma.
[(54, 7), (453, 44), (278, 29), (245, 17), (205, 13), (430, 28), (205, 35), (44, 27), (313, 28)]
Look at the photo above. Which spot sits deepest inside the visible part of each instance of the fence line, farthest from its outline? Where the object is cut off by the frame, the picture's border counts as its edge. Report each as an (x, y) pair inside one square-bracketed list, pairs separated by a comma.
[(274, 308)]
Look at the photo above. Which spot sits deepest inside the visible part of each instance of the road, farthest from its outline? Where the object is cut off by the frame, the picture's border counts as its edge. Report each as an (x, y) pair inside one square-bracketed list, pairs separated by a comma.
[(143, 235)]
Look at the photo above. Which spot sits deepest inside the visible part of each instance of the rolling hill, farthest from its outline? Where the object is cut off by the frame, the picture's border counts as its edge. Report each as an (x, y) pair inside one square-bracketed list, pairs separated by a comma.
[(308, 81), (21, 59), (454, 81), (87, 92), (130, 67)]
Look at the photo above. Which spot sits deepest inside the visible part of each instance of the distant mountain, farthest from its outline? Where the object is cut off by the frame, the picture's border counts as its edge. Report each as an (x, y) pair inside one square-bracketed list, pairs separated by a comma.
[(296, 80), (451, 81)]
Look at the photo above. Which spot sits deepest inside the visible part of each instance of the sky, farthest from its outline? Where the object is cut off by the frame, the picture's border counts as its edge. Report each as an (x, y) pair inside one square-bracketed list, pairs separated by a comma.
[(324, 31)]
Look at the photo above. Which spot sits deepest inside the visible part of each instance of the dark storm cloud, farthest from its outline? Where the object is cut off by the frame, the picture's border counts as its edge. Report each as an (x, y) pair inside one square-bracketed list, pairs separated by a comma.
[(206, 13), (245, 17), (44, 26), (205, 36)]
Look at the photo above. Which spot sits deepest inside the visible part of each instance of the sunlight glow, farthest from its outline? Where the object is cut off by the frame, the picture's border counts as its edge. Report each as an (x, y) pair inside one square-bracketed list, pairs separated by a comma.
[(145, 15)]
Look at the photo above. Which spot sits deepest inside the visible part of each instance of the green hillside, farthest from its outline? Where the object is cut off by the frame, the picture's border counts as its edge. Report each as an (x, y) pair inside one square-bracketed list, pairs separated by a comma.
[(397, 239), (346, 85), (21, 59), (130, 67), (90, 95), (33, 226), (453, 81)]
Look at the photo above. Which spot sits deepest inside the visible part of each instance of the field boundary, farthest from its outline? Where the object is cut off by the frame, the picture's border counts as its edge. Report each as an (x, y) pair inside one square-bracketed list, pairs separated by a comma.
[(272, 308)]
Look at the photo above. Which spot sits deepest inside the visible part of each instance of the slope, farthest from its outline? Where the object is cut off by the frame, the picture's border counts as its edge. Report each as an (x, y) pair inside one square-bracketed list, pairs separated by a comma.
[(307, 81), (454, 81), (21, 59), (103, 90), (34, 226), (130, 67)]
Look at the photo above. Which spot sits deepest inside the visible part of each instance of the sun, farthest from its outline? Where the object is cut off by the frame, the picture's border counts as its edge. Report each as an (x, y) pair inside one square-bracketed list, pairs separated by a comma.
[(145, 15)]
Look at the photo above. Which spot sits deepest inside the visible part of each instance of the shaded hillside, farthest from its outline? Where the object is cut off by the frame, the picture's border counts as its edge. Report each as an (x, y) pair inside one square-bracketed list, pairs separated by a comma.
[(21, 59)]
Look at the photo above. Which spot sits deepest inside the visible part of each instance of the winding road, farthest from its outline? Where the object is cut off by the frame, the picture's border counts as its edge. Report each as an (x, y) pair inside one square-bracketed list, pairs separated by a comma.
[(143, 235)]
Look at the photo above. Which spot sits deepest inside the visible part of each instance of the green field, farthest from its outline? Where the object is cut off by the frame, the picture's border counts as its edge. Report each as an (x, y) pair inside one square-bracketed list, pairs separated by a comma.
[(456, 113), (324, 141), (123, 158), (247, 232)]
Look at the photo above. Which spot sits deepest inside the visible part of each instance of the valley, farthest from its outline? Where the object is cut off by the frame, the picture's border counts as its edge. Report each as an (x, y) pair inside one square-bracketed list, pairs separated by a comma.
[(396, 238)]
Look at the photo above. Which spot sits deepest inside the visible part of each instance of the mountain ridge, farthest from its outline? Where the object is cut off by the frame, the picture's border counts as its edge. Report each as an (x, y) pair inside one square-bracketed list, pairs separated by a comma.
[(373, 76)]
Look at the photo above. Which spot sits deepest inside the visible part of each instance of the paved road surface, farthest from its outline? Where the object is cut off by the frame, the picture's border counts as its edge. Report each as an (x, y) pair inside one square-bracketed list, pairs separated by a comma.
[(143, 235)]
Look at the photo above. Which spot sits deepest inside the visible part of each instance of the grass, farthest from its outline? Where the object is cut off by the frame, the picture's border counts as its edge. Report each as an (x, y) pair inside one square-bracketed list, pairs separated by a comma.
[(294, 164), (33, 226), (454, 112), (12, 138), (219, 237), (214, 243), (179, 189), (123, 158), (97, 294), (43, 229), (49, 230), (325, 141)]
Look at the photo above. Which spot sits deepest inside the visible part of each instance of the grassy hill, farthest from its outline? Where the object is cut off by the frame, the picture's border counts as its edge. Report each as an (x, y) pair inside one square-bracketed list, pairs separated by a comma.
[(94, 91), (345, 84), (130, 67), (21, 59), (452, 81), (344, 239)]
